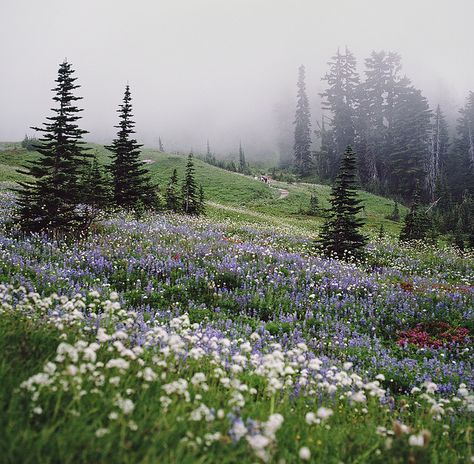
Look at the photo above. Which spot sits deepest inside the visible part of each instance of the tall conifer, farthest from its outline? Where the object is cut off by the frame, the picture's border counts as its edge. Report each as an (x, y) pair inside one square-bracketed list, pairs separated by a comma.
[(50, 202), (190, 195), (172, 196), (131, 182), (340, 235), (302, 146)]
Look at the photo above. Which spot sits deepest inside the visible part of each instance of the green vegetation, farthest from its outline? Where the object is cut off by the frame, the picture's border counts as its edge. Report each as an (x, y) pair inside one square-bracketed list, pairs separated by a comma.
[(232, 194)]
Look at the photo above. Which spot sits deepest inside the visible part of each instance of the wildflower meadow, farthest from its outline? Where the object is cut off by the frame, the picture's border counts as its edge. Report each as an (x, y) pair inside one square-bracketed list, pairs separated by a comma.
[(173, 339)]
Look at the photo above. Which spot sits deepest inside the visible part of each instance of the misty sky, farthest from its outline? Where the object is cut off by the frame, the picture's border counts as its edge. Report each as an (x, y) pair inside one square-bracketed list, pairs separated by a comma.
[(216, 69)]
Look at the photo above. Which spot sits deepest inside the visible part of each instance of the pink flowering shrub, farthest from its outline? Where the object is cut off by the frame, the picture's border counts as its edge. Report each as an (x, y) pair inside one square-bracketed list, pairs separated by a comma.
[(433, 335)]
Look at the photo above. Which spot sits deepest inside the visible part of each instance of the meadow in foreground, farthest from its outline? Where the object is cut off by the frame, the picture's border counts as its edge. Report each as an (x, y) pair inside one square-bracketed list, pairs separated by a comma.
[(182, 340)]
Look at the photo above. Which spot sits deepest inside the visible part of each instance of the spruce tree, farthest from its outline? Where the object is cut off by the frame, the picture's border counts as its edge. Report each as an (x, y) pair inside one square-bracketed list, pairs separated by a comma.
[(436, 165), (189, 191), (172, 196), (202, 201), (160, 145), (95, 193), (395, 214), (131, 183), (460, 172), (242, 162), (340, 235), (314, 208), (341, 99), (414, 227), (411, 136), (302, 146), (50, 202)]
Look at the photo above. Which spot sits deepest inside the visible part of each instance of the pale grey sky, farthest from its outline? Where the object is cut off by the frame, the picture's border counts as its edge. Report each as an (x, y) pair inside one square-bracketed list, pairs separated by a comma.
[(215, 68)]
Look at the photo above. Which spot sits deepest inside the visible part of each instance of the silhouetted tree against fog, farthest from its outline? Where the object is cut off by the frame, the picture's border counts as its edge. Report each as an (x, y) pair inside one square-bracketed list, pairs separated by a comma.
[(242, 162), (340, 98), (302, 146)]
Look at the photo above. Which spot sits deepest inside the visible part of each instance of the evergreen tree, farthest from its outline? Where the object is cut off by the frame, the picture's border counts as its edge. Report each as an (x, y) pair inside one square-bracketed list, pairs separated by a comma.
[(340, 98), (242, 162), (172, 196), (190, 195), (29, 143), (95, 193), (436, 164), (160, 145), (411, 136), (314, 208), (395, 214), (132, 186), (302, 146), (340, 235), (202, 201), (460, 169), (414, 227), (50, 202)]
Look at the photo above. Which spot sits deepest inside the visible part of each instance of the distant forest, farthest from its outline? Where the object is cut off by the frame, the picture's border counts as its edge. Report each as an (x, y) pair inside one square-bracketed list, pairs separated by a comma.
[(401, 143)]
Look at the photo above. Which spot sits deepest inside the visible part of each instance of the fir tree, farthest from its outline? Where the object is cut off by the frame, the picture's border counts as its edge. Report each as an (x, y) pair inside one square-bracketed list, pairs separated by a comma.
[(50, 202), (242, 162), (395, 214), (172, 196), (160, 145), (411, 135), (460, 171), (190, 195), (302, 146), (202, 201), (437, 160), (314, 208), (132, 186), (414, 227), (340, 235), (340, 98), (95, 193)]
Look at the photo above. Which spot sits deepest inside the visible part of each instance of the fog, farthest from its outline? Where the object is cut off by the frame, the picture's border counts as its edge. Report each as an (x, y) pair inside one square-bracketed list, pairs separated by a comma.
[(223, 70)]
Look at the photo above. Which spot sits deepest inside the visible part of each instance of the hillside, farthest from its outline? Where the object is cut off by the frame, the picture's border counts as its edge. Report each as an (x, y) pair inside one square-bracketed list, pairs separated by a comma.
[(230, 194)]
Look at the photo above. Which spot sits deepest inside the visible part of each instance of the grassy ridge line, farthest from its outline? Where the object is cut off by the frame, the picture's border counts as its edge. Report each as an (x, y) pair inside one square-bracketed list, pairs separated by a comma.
[(258, 202)]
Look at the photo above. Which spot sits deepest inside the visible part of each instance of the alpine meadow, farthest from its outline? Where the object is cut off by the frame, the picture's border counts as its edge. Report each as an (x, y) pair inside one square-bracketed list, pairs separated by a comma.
[(237, 232)]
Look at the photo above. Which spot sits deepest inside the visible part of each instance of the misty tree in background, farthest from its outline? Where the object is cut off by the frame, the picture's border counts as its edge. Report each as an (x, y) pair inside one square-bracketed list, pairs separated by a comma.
[(340, 98), (302, 146), (340, 235), (436, 164), (242, 162), (132, 188), (371, 117), (50, 202), (411, 137), (189, 191), (160, 145), (29, 143), (172, 195), (460, 166)]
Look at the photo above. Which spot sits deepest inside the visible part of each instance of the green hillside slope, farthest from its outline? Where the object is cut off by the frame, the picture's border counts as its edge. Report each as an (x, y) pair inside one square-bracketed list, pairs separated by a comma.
[(230, 194)]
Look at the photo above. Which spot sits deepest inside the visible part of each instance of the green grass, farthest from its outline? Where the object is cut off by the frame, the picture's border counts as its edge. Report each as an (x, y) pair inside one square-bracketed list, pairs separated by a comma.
[(231, 194)]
